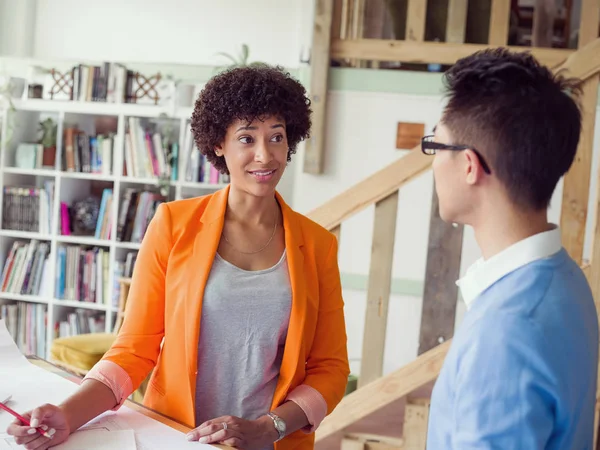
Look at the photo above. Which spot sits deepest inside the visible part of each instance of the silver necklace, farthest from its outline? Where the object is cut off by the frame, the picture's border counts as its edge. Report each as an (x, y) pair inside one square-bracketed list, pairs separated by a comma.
[(260, 249)]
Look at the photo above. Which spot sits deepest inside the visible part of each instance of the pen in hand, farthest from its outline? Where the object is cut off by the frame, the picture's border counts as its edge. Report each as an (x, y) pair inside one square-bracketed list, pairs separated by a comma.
[(24, 420)]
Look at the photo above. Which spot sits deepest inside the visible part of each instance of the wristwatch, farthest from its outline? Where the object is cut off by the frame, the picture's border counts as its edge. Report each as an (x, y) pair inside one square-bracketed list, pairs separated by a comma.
[(279, 425)]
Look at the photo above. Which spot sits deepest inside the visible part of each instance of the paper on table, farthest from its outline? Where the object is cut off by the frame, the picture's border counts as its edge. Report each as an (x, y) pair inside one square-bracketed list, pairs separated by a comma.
[(99, 439), (29, 385), (32, 386)]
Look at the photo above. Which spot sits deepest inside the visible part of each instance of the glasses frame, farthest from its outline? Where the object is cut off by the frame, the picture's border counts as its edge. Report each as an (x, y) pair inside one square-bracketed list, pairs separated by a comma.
[(432, 145)]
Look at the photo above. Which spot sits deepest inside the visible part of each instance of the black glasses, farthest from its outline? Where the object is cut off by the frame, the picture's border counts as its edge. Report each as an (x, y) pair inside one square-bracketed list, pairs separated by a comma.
[(430, 147)]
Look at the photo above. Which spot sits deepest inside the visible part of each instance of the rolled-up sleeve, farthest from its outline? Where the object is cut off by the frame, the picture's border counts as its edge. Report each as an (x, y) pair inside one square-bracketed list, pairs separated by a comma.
[(114, 377)]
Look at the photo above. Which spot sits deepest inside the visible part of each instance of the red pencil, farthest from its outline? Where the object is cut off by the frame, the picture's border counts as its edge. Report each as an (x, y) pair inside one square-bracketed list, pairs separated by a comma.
[(23, 419)]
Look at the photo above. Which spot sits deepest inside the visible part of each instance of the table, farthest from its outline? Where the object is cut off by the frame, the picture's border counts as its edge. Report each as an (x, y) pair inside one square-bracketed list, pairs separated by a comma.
[(50, 367)]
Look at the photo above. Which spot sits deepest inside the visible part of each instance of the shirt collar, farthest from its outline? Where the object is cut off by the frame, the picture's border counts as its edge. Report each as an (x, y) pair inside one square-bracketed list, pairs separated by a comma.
[(482, 274)]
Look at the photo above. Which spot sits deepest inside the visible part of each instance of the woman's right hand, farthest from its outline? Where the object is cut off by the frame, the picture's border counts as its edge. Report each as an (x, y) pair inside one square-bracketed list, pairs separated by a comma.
[(48, 417)]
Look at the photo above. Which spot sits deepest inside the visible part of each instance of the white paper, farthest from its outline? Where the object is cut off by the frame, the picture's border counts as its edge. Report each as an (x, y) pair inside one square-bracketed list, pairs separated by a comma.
[(32, 386), (99, 440)]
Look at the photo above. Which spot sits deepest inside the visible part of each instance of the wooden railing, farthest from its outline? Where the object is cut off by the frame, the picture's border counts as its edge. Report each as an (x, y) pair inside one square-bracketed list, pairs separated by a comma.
[(381, 189), (350, 33)]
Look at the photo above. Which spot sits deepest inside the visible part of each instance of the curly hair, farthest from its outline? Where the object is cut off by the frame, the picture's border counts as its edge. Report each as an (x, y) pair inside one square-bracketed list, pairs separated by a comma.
[(249, 93), (523, 118)]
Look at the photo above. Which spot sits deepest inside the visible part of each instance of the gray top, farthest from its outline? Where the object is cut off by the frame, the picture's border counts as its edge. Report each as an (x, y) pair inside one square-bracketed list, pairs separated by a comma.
[(244, 323)]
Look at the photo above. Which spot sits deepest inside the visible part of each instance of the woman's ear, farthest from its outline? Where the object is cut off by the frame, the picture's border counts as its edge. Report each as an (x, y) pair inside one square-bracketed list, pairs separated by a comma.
[(218, 151)]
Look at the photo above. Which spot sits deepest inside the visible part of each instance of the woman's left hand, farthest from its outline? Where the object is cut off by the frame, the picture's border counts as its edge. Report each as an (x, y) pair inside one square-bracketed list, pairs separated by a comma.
[(235, 432)]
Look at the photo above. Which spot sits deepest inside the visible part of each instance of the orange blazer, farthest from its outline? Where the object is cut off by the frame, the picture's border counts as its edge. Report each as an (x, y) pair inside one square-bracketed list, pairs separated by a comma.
[(165, 302)]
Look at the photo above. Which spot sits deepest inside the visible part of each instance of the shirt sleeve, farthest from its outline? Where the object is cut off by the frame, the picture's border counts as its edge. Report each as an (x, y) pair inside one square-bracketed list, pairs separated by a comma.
[(113, 377), (505, 388), (312, 403)]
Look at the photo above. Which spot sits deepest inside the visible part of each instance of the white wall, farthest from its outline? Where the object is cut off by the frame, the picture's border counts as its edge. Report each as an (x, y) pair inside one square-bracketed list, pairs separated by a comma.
[(17, 24), (174, 31), (361, 137)]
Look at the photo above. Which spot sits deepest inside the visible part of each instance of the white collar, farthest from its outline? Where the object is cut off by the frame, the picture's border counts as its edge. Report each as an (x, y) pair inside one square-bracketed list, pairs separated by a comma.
[(482, 274)]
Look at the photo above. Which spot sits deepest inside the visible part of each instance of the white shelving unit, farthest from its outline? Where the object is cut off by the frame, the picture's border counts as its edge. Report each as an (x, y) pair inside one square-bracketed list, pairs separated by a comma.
[(72, 186)]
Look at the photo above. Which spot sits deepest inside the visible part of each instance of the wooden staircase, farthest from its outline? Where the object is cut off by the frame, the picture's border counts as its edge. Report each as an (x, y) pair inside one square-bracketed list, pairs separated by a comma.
[(390, 412)]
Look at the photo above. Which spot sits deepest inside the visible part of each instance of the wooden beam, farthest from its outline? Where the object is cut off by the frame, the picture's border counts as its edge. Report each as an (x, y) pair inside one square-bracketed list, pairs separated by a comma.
[(544, 13), (337, 231), (336, 19), (577, 181), (365, 441), (416, 418), (372, 189), (456, 24), (384, 391), (582, 64), (428, 52), (415, 20), (444, 251), (499, 22), (378, 293), (352, 444), (319, 70)]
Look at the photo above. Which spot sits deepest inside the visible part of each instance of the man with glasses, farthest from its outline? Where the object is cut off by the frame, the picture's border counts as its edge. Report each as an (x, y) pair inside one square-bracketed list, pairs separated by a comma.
[(521, 371)]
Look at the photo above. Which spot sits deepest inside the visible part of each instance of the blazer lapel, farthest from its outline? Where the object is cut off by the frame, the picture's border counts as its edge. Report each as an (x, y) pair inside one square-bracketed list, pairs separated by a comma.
[(293, 344), (204, 250)]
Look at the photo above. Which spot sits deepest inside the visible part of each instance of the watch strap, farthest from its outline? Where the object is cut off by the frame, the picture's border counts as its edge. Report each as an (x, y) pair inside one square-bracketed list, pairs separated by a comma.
[(279, 425)]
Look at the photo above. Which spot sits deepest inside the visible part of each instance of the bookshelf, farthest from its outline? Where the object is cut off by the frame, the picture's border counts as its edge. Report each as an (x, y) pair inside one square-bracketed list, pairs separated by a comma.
[(40, 297)]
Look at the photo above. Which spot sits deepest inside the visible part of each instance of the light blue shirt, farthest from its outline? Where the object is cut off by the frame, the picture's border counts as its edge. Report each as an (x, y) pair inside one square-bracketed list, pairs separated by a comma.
[(521, 371)]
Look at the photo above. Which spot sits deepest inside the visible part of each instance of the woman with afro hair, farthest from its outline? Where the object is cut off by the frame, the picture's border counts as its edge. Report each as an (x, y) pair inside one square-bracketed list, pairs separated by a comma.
[(236, 303)]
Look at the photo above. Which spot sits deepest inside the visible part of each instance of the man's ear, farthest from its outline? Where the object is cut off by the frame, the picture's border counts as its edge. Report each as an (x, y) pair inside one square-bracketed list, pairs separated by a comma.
[(473, 169)]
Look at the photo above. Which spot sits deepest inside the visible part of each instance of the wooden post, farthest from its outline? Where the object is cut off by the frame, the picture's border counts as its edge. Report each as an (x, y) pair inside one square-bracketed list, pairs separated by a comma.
[(319, 70), (443, 269), (456, 25), (499, 22), (362, 441), (577, 180), (378, 294), (544, 13), (416, 418), (415, 23)]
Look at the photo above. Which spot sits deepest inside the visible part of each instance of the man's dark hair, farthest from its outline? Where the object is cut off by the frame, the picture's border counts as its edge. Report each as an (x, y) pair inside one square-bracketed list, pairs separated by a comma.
[(249, 93), (522, 118)]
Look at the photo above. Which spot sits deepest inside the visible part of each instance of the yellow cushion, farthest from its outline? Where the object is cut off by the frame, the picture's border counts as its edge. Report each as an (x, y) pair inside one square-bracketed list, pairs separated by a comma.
[(82, 351)]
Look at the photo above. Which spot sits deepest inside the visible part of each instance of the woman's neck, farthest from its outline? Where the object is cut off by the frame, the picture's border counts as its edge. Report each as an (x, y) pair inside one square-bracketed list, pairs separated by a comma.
[(250, 209)]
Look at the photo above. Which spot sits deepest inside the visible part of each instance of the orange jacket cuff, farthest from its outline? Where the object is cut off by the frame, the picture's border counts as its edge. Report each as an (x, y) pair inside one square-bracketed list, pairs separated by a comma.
[(114, 377), (312, 403)]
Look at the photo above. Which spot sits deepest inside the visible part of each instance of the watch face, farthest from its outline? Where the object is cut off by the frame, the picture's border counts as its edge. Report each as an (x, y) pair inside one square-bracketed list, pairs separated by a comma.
[(279, 424)]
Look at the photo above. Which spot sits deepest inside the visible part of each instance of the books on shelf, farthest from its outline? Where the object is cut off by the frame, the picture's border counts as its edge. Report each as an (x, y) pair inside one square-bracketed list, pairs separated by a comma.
[(103, 225), (79, 322), (26, 323), (148, 154), (198, 169), (28, 208), (87, 154), (122, 269), (110, 82), (29, 156), (82, 274), (137, 210), (25, 270)]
